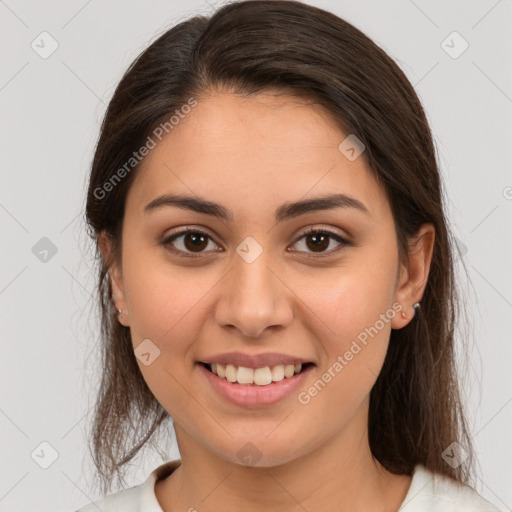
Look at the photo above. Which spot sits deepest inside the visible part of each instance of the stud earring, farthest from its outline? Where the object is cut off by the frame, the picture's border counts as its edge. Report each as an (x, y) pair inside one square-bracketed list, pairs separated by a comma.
[(416, 308), (120, 311)]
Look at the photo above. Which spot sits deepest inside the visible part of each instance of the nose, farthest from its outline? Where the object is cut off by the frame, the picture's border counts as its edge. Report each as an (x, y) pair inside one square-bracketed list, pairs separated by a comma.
[(253, 298)]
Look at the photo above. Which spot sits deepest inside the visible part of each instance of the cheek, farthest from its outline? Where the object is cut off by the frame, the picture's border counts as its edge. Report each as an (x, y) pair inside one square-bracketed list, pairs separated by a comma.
[(348, 303), (354, 343), (168, 306), (352, 320), (163, 299)]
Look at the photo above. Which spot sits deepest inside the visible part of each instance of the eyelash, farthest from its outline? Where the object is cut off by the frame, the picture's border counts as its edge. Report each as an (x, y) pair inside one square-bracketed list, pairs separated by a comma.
[(312, 231)]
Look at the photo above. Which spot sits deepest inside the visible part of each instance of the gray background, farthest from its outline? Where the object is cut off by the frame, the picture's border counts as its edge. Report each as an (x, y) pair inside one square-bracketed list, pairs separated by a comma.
[(51, 109)]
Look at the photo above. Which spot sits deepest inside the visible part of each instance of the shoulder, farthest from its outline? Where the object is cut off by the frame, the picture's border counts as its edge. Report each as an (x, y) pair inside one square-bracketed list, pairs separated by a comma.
[(140, 498), (438, 493)]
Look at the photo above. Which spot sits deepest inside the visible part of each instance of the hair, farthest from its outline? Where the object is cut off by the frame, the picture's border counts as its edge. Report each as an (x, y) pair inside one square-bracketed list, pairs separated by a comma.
[(416, 408)]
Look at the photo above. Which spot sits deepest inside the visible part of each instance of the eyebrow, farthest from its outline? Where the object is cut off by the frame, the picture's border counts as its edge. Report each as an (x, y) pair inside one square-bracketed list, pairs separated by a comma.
[(284, 212)]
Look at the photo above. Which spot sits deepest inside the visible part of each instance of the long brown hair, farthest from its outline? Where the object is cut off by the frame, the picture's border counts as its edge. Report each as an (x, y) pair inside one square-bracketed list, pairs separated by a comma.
[(245, 47)]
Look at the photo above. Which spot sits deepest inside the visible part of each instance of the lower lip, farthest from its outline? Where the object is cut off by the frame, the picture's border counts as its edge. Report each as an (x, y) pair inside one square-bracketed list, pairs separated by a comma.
[(254, 395)]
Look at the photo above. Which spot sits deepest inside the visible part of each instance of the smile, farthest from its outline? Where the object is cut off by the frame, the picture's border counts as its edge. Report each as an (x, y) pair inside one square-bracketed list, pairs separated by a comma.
[(249, 393), (255, 376)]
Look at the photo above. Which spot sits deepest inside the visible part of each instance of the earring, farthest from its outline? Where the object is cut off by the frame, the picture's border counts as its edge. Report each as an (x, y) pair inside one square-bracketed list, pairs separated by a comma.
[(416, 308), (120, 311)]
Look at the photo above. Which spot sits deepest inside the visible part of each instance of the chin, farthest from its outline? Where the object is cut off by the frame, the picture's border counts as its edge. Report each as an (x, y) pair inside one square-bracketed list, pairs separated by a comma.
[(258, 452)]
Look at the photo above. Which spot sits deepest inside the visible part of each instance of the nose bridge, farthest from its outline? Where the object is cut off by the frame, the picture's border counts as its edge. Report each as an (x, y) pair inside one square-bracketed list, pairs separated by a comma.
[(253, 298), (253, 280)]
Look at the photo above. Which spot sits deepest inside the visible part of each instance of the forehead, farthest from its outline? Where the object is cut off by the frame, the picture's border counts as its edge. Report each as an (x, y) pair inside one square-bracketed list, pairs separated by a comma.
[(246, 152)]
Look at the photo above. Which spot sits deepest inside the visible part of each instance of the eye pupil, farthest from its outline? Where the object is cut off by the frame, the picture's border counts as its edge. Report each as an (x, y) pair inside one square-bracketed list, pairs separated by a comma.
[(321, 238), (197, 241)]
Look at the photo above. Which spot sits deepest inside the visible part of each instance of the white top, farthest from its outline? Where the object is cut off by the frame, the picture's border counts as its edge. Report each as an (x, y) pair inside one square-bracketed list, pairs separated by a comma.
[(428, 492)]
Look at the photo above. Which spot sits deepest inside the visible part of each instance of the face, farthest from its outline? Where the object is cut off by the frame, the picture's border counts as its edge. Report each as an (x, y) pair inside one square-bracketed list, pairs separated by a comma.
[(248, 284)]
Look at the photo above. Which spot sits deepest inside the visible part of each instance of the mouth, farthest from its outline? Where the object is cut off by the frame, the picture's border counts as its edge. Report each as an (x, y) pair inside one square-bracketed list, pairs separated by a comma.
[(256, 377)]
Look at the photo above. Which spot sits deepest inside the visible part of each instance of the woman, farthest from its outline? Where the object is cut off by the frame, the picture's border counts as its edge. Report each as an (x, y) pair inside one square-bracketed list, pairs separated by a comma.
[(276, 274)]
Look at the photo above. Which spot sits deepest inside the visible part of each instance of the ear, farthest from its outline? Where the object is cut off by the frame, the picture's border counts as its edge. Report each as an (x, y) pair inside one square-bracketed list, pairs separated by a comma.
[(116, 277), (414, 276)]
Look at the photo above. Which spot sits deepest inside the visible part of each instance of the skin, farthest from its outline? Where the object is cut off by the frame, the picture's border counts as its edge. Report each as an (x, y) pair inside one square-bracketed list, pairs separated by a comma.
[(267, 150)]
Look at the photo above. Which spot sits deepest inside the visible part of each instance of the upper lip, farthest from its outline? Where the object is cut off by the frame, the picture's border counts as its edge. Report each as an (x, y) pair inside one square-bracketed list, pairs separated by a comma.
[(254, 361)]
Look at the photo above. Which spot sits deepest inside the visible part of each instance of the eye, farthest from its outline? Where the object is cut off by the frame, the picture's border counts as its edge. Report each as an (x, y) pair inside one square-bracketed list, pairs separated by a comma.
[(194, 240), (318, 240)]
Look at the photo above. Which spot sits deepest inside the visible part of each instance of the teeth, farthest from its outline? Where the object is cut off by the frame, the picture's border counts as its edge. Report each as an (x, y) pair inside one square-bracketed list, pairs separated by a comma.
[(259, 376), (278, 373), (289, 370), (245, 375), (221, 370), (230, 373), (262, 376)]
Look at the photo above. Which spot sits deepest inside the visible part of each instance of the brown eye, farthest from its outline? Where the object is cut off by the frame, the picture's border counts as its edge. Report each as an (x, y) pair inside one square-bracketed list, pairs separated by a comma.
[(318, 240), (193, 241)]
